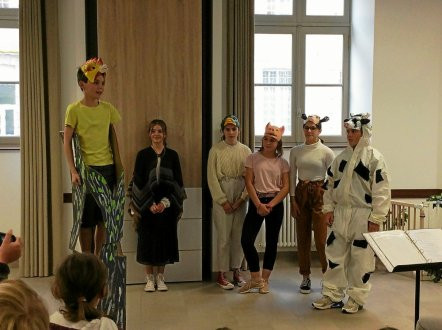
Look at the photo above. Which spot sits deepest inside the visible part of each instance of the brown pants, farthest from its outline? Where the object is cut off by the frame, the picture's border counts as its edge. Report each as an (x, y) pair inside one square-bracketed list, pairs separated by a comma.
[(308, 196)]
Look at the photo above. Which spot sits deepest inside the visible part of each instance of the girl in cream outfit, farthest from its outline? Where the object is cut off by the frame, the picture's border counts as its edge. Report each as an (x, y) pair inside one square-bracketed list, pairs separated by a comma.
[(225, 170)]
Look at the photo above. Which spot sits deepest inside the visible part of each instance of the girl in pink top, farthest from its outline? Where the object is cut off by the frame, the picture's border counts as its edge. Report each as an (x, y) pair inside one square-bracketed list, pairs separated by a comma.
[(267, 183)]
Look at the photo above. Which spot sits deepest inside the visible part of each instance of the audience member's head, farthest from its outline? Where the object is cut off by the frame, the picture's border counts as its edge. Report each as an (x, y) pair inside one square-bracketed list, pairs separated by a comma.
[(21, 307), (80, 282)]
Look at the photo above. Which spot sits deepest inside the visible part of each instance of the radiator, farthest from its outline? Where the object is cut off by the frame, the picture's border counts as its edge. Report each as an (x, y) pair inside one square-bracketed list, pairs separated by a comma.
[(287, 235)]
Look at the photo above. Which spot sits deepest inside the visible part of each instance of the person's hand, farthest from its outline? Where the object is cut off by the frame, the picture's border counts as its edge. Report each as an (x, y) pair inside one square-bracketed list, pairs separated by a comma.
[(75, 178), (160, 207), (227, 207), (329, 218), (237, 204), (153, 208), (294, 209), (372, 227), (10, 251), (263, 209)]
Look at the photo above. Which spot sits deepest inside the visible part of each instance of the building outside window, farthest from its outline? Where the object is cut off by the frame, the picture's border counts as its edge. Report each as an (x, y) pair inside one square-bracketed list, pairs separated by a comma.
[(9, 74), (301, 65)]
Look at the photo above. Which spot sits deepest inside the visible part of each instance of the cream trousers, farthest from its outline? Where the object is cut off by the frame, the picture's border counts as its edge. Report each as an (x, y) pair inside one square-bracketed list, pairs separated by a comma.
[(229, 226)]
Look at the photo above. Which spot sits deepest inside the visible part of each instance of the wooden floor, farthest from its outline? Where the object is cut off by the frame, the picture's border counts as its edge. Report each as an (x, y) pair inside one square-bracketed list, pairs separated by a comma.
[(203, 305)]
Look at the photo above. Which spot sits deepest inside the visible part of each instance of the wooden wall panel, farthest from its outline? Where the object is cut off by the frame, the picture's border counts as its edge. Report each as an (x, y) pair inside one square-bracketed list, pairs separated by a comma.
[(153, 50)]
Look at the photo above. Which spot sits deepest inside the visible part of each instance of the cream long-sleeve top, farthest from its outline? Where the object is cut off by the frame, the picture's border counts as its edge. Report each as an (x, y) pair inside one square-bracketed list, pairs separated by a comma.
[(225, 162), (359, 179), (309, 162)]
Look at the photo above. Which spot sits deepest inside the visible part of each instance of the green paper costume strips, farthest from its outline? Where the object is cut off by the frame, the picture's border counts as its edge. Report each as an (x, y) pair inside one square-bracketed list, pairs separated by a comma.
[(78, 193), (111, 204), (115, 302)]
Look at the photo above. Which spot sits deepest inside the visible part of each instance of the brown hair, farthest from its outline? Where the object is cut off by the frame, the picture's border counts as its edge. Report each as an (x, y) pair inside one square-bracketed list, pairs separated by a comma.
[(160, 123), (79, 280), (82, 77), (21, 307), (318, 125), (279, 150)]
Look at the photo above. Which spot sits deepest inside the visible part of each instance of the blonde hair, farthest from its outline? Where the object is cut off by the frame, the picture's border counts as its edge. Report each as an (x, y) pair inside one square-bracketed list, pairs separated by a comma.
[(21, 308)]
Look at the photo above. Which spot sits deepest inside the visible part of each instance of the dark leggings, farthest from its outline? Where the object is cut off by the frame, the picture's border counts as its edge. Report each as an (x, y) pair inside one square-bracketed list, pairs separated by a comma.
[(250, 229)]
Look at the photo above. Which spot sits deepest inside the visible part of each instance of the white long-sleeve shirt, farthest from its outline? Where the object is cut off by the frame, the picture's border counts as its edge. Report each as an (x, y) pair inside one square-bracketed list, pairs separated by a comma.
[(225, 161), (309, 162)]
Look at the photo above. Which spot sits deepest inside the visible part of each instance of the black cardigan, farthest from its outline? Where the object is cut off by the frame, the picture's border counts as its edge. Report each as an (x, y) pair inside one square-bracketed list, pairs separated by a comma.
[(150, 185)]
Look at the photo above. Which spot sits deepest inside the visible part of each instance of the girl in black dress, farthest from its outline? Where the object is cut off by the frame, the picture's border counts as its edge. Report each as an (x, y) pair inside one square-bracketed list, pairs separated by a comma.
[(157, 197)]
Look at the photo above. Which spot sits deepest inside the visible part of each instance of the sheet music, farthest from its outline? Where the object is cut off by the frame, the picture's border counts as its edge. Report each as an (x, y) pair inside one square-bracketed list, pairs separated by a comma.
[(429, 242), (394, 248), (398, 247)]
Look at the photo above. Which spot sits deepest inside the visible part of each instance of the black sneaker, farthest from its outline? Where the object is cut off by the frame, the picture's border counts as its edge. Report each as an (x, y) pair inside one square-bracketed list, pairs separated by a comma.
[(305, 286)]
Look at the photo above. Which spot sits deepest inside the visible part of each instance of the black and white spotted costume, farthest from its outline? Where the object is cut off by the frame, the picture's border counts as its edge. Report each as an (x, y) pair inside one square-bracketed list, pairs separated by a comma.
[(357, 192)]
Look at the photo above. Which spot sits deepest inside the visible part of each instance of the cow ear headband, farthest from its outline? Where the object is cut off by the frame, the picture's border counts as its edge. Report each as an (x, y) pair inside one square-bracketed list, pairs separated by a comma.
[(315, 119), (357, 121), (92, 67)]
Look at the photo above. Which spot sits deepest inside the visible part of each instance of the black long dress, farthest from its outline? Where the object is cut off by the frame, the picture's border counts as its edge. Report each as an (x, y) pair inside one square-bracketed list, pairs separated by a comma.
[(157, 177)]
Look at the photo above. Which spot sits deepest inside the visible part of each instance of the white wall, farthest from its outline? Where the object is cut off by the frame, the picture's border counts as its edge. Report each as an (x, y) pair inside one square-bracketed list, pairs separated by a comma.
[(407, 90), (72, 54), (10, 198)]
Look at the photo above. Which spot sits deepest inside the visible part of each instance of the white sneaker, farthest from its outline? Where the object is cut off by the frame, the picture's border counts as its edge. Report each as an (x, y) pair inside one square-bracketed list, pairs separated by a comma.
[(223, 282), (351, 306), (161, 286), (326, 303), (150, 283)]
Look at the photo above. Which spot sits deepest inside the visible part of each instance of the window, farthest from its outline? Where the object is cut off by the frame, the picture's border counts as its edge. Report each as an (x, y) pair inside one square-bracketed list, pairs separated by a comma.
[(301, 65), (9, 75)]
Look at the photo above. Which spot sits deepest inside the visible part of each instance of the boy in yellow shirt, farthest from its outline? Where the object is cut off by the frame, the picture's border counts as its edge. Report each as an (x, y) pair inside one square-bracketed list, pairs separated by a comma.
[(91, 119)]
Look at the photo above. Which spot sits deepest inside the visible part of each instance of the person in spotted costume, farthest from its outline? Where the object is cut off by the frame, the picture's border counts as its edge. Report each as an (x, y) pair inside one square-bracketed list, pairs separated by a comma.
[(357, 200)]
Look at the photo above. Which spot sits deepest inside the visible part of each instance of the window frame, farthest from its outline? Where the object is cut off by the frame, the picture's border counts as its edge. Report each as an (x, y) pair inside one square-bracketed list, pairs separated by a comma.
[(319, 20), (300, 25), (336, 139), (282, 30), (9, 20)]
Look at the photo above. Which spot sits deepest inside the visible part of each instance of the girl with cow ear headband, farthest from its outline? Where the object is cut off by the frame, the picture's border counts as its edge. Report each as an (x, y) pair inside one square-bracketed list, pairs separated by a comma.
[(308, 166)]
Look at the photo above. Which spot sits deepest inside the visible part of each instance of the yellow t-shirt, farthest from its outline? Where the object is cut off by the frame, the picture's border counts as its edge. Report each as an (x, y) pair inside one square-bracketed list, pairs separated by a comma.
[(92, 126)]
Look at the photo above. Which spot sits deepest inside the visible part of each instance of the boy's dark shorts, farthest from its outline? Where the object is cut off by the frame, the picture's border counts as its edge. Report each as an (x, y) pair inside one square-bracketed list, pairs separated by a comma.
[(92, 215)]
